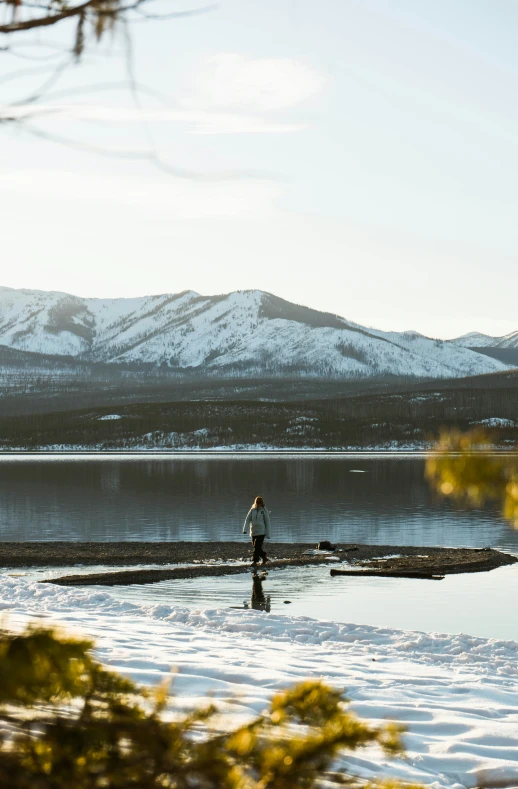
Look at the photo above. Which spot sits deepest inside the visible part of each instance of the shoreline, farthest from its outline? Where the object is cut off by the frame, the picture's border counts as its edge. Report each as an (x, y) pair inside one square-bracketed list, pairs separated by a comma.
[(448, 688), (207, 559), (260, 451)]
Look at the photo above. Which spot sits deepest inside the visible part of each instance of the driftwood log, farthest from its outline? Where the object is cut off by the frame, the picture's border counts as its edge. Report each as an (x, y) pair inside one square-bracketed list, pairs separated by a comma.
[(391, 574)]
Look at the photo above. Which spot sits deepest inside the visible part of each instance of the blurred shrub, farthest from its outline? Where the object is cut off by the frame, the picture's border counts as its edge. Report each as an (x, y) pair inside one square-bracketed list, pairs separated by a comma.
[(463, 467), (68, 723)]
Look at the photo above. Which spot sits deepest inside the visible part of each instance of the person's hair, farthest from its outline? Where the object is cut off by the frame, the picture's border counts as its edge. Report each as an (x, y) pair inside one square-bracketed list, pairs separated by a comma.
[(259, 502)]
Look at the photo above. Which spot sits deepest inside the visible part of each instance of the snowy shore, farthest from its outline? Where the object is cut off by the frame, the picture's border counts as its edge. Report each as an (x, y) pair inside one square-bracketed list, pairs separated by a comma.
[(456, 694), (259, 448), (389, 448)]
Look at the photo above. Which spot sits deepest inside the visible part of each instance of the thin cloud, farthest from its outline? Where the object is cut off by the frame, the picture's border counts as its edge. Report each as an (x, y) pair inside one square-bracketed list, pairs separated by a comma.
[(258, 85), (229, 94), (194, 121), (176, 200)]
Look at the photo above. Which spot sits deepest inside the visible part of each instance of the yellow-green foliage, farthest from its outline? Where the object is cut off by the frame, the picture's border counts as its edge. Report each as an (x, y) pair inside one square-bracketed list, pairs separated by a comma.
[(67, 723), (461, 467)]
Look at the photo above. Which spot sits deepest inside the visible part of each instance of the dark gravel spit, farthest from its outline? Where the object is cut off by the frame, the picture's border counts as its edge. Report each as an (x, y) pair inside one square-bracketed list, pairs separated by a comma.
[(423, 560)]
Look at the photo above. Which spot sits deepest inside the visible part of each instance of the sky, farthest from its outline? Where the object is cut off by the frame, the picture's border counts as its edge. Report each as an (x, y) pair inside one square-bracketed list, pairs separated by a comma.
[(356, 156)]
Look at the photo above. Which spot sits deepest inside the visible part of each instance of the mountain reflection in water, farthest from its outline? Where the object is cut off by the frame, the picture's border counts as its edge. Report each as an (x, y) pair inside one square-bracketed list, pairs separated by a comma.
[(198, 498)]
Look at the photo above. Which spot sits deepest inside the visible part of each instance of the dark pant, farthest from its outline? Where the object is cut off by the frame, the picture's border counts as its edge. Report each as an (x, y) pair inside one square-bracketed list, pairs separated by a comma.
[(258, 548)]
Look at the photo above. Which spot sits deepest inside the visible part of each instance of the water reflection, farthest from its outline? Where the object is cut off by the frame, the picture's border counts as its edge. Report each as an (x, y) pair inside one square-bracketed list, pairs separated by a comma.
[(207, 498), (259, 600), (475, 603)]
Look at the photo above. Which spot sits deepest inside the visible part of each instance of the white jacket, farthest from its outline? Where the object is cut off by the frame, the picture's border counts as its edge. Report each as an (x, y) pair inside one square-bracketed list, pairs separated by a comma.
[(259, 521)]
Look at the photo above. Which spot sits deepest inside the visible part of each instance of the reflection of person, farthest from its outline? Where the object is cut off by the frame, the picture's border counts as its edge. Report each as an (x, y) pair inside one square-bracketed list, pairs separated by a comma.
[(258, 599), (258, 519)]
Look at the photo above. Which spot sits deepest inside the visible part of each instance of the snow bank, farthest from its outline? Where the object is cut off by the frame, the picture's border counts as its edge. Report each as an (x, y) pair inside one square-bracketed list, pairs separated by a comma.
[(495, 421), (456, 694), (148, 444)]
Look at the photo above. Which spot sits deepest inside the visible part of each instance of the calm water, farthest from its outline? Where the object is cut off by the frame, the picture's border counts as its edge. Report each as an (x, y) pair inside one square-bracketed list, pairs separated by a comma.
[(367, 499), (480, 604), (380, 500), (477, 604)]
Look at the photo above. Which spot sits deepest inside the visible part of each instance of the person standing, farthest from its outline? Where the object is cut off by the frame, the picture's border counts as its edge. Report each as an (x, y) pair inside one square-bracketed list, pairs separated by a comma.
[(258, 521)]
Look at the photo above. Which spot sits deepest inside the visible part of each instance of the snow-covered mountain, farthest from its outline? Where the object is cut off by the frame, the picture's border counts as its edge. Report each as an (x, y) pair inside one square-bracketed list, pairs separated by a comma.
[(241, 333), (477, 340)]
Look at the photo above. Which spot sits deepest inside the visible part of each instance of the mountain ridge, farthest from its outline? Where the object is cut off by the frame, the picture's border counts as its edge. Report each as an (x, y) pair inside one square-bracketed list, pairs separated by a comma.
[(250, 332), (475, 339)]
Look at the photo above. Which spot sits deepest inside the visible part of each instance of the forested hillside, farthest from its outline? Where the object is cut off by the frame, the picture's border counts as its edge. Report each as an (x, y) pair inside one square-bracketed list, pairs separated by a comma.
[(403, 419)]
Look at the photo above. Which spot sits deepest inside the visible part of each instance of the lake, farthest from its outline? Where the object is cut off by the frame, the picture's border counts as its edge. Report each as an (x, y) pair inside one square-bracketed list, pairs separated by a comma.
[(371, 499)]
